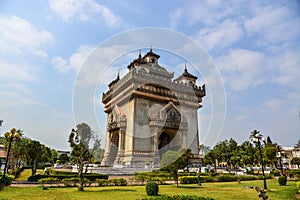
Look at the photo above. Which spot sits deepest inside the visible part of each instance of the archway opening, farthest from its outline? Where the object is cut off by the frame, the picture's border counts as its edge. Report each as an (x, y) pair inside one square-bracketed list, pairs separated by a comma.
[(114, 147), (166, 142)]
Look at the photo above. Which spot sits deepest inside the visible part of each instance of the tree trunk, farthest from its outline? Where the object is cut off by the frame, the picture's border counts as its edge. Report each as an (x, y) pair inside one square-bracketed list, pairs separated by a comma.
[(81, 177)]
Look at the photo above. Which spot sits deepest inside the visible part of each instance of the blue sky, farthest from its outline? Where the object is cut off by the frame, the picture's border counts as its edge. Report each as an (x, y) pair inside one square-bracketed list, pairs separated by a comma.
[(255, 46)]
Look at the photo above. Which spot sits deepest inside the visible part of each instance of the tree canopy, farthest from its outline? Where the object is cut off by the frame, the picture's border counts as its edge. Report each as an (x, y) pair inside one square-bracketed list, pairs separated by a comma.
[(84, 142), (173, 160)]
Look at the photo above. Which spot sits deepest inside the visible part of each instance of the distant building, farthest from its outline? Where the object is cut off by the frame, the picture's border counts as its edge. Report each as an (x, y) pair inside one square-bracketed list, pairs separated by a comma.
[(149, 112), (59, 152), (288, 154), (2, 156)]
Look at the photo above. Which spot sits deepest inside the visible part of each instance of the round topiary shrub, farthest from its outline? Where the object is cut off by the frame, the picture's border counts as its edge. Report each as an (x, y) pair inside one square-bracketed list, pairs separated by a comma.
[(282, 180), (152, 188)]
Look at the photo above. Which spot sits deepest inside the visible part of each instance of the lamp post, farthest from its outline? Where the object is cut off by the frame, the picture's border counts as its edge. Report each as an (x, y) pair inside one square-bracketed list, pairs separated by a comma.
[(280, 160), (10, 135), (1, 122), (257, 139)]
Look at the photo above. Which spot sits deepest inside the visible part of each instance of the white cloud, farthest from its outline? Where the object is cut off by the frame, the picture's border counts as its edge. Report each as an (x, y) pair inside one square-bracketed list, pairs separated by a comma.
[(274, 23), (18, 35), (174, 17), (287, 63), (83, 10), (13, 72), (74, 62), (208, 12), (222, 35), (242, 68)]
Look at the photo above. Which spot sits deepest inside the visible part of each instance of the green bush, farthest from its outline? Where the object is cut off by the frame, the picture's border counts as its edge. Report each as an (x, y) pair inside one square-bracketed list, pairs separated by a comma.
[(70, 182), (152, 188), (112, 182), (91, 177), (178, 197), (122, 181), (187, 174), (293, 173), (282, 180), (188, 179), (226, 178), (118, 181), (102, 182), (152, 176), (275, 172), (49, 180), (298, 186), (8, 179)]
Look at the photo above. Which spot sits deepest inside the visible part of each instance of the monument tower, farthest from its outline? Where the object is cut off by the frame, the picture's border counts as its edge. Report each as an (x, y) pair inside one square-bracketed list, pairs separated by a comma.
[(150, 112)]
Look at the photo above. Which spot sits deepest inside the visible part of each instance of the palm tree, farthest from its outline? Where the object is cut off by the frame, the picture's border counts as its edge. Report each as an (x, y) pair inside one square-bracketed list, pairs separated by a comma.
[(297, 145), (255, 134)]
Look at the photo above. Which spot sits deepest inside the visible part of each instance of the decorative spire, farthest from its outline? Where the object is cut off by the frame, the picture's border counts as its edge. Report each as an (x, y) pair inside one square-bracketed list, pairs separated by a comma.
[(185, 69), (111, 84), (151, 48), (140, 54)]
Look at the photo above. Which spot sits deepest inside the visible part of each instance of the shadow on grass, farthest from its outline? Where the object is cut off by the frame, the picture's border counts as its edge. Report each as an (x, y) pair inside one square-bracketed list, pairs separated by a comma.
[(111, 190), (189, 187)]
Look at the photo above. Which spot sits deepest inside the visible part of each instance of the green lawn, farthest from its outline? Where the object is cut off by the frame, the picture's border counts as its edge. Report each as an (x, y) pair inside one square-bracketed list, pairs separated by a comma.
[(218, 191), (26, 173)]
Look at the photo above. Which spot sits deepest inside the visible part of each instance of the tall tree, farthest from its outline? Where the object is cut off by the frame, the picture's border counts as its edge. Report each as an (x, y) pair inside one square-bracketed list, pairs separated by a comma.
[(173, 160), (33, 153), (83, 142), (54, 156), (210, 158), (255, 134)]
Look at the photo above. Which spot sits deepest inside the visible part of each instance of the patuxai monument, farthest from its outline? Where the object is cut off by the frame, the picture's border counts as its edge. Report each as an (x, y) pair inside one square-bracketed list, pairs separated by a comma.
[(150, 112)]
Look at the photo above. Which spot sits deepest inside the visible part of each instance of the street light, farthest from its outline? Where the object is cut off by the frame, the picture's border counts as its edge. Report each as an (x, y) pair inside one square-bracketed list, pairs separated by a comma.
[(257, 139), (9, 135), (1, 122), (280, 160)]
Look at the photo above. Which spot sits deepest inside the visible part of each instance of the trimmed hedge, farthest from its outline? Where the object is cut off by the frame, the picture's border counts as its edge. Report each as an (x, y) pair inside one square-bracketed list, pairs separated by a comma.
[(159, 176), (8, 179), (293, 173), (49, 180), (298, 186), (72, 182), (102, 182), (178, 197), (275, 172), (91, 177), (219, 178), (282, 180), (112, 182), (152, 188), (188, 179), (187, 174)]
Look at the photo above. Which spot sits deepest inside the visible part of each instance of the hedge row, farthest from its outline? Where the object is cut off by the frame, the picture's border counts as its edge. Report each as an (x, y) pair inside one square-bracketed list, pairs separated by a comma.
[(8, 179), (188, 179), (178, 197), (219, 178), (72, 182), (293, 173), (298, 186), (160, 176), (91, 177), (112, 182)]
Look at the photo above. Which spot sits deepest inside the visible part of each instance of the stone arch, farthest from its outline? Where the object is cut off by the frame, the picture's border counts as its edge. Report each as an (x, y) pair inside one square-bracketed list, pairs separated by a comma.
[(168, 139)]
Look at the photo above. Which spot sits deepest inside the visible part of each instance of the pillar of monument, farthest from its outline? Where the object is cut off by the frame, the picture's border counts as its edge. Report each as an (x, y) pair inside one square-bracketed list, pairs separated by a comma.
[(105, 161), (120, 154)]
